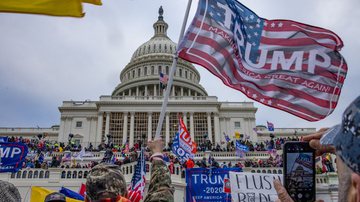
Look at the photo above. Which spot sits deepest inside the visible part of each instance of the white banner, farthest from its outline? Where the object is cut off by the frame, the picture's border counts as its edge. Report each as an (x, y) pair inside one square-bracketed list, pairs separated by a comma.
[(253, 187)]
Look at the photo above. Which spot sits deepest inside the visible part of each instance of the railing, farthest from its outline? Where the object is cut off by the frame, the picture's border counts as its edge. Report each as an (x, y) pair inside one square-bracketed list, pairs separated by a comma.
[(223, 156), (159, 98)]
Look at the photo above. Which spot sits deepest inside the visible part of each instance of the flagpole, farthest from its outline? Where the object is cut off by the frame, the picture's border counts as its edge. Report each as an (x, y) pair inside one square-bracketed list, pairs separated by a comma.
[(171, 78)]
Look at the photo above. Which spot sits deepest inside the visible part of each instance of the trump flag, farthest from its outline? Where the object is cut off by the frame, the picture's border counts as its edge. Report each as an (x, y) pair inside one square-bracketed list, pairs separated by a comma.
[(283, 64)]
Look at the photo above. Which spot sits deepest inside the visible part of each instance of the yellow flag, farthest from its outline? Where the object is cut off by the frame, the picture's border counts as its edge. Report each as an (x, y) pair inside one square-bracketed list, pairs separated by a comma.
[(237, 135), (39, 194), (95, 2), (72, 8)]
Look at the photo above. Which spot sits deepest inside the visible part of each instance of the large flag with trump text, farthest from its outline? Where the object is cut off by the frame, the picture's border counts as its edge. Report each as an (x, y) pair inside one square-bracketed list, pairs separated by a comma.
[(280, 63)]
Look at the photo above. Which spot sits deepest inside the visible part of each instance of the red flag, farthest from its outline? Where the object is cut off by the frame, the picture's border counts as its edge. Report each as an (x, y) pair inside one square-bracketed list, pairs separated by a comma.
[(82, 190), (194, 148), (227, 188)]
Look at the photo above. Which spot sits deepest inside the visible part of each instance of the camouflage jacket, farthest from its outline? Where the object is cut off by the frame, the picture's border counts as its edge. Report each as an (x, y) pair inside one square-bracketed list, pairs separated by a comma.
[(160, 188)]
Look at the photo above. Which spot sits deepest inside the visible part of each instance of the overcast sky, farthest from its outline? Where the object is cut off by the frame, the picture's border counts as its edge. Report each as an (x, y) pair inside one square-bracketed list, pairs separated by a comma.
[(46, 60)]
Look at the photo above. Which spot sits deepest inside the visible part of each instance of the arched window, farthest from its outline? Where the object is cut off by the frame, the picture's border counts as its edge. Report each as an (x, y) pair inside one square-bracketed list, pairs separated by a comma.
[(127, 170), (80, 174), (68, 175), (30, 174), (152, 70), (36, 174), (42, 174), (24, 174), (145, 71), (85, 174), (63, 174), (133, 74), (180, 72), (47, 174), (159, 69), (18, 174), (12, 175), (139, 72), (74, 175), (186, 74)]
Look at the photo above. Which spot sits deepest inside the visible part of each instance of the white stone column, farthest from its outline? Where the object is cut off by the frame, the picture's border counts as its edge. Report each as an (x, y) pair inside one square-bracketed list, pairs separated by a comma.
[(107, 123), (130, 92), (125, 128), (99, 129), (61, 137), (173, 91), (192, 133), (167, 129), (146, 90), (181, 91), (149, 126), (217, 129), (189, 92), (132, 121), (185, 118), (123, 94), (209, 126), (137, 91), (155, 91)]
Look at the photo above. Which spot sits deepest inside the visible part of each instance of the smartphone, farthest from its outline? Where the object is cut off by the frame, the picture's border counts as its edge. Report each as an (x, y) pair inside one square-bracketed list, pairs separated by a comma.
[(299, 171)]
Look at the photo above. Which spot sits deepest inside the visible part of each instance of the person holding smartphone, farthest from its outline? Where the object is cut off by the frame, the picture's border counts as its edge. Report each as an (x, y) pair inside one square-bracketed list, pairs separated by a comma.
[(344, 141)]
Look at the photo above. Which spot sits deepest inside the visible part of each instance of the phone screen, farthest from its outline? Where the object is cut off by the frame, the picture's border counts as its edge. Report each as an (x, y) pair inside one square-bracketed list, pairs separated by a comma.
[(300, 172)]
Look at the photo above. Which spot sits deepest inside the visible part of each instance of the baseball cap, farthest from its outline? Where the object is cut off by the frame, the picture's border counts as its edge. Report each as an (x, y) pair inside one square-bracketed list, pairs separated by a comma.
[(105, 178), (346, 136), (55, 197)]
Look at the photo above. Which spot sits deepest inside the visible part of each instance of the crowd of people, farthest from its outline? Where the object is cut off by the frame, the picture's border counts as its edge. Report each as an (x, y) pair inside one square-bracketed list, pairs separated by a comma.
[(40, 149)]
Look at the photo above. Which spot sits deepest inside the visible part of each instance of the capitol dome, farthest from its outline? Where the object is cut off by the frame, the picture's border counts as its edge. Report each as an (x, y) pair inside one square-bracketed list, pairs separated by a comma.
[(141, 75)]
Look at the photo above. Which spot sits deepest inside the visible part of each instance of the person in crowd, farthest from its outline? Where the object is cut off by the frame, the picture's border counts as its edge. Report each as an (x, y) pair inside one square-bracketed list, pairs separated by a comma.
[(345, 144), (105, 182), (55, 197)]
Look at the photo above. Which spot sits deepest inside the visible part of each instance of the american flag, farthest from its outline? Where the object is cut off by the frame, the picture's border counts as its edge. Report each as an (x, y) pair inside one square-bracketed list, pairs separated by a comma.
[(138, 180), (283, 64), (163, 80)]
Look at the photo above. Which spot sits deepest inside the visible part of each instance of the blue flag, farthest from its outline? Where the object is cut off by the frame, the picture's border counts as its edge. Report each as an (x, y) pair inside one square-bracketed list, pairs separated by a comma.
[(241, 149), (12, 156), (71, 194)]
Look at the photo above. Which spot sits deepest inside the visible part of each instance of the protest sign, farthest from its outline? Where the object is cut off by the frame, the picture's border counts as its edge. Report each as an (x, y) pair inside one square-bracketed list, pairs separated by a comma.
[(251, 187), (207, 185), (12, 156)]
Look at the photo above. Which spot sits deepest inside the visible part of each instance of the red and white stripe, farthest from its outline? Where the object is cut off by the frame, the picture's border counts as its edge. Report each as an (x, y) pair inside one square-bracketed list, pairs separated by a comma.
[(312, 97)]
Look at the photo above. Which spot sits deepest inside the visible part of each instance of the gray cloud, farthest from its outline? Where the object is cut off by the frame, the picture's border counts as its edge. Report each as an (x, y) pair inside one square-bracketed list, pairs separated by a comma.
[(45, 60)]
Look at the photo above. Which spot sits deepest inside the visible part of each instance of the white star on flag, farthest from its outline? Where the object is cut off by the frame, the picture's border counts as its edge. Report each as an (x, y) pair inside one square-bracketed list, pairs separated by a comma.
[(280, 24), (262, 100), (272, 24), (265, 24), (269, 102), (254, 96)]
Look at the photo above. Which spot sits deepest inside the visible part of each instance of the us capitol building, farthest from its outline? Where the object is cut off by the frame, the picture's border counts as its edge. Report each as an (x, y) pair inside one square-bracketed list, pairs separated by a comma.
[(132, 111)]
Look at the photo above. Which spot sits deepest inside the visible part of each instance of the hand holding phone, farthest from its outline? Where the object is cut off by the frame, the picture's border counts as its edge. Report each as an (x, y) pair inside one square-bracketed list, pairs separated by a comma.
[(299, 171)]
